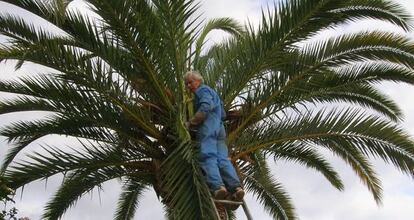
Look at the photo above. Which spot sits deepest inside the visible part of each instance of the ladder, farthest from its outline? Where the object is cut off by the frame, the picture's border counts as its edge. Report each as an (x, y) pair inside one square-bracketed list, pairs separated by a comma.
[(214, 201), (243, 204)]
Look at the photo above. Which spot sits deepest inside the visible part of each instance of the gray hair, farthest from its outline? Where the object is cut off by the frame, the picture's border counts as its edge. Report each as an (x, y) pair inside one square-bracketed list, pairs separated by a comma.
[(193, 74)]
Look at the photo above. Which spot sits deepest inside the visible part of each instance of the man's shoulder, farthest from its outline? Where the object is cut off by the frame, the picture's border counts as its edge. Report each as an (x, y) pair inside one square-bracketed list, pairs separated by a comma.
[(204, 88)]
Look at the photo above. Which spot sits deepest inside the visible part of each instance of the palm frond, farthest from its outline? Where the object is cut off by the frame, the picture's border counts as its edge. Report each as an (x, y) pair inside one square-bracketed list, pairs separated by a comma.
[(308, 157), (270, 193), (128, 201), (224, 24), (358, 162), (182, 176), (359, 134), (51, 11), (75, 185)]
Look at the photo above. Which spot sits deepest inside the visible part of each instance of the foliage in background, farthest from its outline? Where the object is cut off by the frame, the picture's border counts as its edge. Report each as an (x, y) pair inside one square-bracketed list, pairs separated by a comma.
[(6, 197)]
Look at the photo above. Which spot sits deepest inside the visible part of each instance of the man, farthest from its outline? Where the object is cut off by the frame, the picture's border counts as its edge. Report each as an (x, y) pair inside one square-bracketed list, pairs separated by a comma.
[(211, 135)]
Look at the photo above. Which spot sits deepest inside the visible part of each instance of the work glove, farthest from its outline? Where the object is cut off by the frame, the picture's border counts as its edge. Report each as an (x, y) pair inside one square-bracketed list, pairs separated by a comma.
[(197, 119)]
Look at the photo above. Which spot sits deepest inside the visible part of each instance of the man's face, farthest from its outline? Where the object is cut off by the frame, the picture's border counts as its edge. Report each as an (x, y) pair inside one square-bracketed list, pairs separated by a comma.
[(192, 84)]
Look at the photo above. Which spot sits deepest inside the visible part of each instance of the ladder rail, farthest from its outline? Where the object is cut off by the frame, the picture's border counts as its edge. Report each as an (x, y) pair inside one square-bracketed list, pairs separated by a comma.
[(228, 202), (242, 203), (215, 208), (247, 211)]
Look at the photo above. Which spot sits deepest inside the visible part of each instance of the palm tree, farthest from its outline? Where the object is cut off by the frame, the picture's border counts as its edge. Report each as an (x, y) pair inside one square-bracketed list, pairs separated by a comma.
[(115, 82)]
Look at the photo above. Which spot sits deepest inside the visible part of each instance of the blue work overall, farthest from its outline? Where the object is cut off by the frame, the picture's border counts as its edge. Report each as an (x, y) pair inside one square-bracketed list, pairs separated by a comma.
[(211, 135)]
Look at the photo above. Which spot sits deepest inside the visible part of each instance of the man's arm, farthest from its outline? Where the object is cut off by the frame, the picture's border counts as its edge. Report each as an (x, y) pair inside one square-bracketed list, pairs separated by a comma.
[(197, 119), (206, 105)]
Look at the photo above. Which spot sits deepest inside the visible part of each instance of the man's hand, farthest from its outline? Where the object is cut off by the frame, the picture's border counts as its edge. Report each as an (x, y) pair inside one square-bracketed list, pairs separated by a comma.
[(197, 119), (187, 124)]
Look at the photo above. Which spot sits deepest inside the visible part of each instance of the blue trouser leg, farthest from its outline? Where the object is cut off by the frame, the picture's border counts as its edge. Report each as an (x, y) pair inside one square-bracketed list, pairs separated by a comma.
[(208, 161), (227, 171)]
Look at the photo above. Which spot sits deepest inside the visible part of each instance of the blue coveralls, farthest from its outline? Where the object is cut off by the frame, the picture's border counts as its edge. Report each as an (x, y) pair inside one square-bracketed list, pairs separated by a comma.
[(213, 155)]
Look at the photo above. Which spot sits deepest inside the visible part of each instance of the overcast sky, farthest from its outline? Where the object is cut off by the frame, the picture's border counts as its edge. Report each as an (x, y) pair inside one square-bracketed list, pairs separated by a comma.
[(313, 196)]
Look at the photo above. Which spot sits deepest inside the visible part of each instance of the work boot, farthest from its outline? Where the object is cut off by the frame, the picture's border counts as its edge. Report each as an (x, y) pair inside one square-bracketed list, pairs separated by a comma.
[(238, 194), (221, 193)]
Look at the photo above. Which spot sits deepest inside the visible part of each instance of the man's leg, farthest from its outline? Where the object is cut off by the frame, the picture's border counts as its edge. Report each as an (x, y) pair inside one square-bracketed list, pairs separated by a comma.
[(209, 164), (227, 171)]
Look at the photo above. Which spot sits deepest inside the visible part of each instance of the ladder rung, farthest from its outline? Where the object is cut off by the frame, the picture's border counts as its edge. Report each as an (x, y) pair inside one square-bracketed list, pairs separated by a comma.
[(228, 202)]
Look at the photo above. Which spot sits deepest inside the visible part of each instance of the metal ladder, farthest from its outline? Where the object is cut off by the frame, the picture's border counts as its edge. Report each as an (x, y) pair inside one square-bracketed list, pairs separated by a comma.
[(243, 204)]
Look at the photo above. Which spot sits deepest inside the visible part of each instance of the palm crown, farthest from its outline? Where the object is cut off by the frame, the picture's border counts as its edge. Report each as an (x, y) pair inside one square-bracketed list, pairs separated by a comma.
[(116, 83)]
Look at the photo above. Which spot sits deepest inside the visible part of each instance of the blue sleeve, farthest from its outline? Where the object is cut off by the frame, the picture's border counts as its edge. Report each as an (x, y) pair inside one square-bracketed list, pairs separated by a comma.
[(206, 103)]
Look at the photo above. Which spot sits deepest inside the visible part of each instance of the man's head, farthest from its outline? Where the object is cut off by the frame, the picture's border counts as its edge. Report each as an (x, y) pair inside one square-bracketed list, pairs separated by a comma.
[(193, 80)]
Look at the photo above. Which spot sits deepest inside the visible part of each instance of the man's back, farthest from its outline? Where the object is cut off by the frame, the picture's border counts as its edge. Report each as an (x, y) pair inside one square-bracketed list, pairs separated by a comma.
[(208, 101)]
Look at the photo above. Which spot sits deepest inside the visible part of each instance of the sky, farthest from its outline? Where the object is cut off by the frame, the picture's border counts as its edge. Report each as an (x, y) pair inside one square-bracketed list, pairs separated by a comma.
[(312, 195)]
